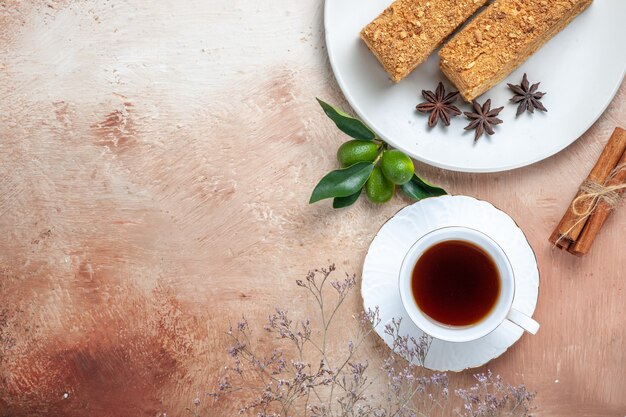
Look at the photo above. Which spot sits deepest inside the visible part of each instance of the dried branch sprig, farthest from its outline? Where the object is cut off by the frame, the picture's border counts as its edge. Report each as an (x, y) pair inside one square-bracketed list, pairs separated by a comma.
[(491, 397), (299, 377)]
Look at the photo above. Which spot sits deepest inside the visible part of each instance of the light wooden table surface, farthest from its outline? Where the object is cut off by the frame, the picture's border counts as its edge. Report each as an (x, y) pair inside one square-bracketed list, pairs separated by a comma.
[(156, 159)]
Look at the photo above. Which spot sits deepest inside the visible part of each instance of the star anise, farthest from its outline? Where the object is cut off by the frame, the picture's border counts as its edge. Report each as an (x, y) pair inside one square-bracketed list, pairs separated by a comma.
[(483, 119), (439, 104), (527, 97)]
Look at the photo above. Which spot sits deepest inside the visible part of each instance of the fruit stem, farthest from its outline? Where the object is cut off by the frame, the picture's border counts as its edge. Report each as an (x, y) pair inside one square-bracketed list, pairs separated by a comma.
[(382, 147), (380, 155)]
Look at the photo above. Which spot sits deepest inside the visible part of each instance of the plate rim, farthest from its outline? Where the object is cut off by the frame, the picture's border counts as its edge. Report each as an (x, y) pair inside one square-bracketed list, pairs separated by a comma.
[(502, 168)]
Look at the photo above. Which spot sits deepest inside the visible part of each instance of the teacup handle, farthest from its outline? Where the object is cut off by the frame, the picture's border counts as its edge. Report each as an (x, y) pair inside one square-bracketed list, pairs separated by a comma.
[(523, 321)]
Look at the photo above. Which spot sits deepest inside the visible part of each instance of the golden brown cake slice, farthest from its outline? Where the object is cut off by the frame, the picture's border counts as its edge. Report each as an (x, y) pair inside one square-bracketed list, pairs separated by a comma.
[(408, 31), (500, 38)]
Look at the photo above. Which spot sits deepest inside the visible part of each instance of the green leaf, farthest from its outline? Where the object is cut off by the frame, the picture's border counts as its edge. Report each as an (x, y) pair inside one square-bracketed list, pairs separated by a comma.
[(419, 189), (342, 182), (341, 202), (347, 124)]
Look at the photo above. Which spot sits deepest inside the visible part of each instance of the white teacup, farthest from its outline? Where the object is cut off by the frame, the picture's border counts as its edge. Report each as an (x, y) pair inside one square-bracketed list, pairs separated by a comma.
[(502, 309)]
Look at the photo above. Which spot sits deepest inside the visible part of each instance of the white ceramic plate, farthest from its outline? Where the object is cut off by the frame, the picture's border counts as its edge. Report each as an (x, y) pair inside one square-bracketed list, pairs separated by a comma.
[(580, 70), (379, 286)]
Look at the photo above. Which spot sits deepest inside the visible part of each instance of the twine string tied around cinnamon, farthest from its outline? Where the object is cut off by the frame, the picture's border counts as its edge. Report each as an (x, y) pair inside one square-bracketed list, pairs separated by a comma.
[(596, 193)]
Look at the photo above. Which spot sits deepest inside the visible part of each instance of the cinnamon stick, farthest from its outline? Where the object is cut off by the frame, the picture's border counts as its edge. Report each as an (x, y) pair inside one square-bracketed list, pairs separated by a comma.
[(600, 214), (571, 225)]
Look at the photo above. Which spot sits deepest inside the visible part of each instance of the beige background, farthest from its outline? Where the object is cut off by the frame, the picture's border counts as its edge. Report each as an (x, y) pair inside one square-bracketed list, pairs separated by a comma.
[(156, 159)]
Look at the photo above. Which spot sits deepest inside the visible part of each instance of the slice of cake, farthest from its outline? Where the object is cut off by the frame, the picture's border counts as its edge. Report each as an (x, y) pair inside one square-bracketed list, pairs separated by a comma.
[(408, 31), (500, 38)]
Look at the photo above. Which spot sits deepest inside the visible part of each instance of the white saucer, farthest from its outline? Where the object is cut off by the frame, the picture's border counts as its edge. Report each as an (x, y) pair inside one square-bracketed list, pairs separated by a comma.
[(383, 260)]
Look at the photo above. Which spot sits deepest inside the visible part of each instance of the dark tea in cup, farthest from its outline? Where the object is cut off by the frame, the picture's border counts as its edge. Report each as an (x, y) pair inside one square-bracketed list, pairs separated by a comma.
[(456, 283)]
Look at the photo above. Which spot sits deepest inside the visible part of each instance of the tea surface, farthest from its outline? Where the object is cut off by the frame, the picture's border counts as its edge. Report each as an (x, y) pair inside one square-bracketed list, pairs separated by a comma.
[(456, 283)]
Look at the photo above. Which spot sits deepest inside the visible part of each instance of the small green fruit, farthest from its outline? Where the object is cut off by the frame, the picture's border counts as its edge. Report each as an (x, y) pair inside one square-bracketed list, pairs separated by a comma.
[(397, 166), (355, 151), (378, 188)]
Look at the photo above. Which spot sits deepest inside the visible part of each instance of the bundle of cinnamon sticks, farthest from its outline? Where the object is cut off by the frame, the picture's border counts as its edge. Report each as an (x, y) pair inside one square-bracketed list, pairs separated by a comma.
[(596, 198)]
